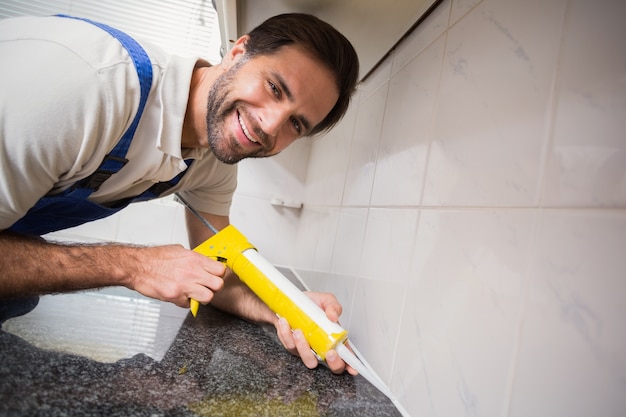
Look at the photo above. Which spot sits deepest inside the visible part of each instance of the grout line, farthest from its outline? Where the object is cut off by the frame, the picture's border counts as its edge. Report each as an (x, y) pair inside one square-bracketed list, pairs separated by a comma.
[(464, 15), (552, 105), (528, 278), (380, 132), (517, 341), (435, 106), (599, 209)]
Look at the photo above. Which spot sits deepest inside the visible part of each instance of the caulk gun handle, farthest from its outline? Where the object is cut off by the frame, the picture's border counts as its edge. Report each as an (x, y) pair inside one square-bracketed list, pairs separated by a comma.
[(194, 305)]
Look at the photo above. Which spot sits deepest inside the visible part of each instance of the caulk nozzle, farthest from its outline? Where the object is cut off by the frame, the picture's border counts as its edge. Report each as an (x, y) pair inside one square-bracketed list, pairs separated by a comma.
[(351, 359)]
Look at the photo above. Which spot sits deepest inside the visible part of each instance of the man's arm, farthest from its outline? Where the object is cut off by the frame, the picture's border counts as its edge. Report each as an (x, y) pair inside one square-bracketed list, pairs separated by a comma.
[(236, 298), (31, 266)]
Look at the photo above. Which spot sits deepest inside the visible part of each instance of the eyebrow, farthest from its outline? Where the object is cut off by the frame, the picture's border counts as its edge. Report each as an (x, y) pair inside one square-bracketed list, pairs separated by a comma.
[(283, 86)]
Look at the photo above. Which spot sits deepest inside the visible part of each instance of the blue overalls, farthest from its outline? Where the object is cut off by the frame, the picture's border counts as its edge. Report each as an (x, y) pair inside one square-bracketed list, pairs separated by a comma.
[(71, 208)]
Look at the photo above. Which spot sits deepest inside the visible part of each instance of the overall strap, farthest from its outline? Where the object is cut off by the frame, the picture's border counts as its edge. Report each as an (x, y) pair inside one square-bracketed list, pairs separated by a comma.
[(116, 159), (160, 187)]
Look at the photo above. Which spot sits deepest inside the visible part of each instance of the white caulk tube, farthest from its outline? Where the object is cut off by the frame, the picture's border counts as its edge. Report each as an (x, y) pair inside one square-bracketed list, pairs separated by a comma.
[(286, 300)]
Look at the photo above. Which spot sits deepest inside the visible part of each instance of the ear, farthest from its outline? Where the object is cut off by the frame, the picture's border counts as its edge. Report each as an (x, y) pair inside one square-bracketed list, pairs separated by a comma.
[(236, 52)]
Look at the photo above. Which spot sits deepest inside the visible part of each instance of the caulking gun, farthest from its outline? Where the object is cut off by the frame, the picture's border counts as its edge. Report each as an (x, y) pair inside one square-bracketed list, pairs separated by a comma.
[(280, 294)]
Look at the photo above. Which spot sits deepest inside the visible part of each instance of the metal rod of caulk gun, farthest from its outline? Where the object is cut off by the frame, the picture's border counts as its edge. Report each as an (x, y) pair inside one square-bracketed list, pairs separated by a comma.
[(196, 214)]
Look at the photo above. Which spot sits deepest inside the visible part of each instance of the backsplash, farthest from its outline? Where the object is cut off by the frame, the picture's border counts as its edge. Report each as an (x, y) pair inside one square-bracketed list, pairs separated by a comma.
[(470, 211)]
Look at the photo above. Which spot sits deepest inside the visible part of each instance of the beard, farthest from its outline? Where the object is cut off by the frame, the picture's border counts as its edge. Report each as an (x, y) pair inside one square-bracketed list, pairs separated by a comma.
[(219, 106)]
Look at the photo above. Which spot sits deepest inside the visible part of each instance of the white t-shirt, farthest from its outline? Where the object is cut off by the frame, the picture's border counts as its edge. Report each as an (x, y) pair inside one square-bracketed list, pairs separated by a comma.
[(68, 92)]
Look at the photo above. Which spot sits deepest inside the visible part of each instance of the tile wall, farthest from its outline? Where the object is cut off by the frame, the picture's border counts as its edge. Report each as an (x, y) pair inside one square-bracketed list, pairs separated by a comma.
[(470, 211)]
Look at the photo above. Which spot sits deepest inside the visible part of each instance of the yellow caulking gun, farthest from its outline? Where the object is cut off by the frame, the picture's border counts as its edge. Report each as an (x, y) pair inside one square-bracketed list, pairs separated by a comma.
[(280, 295)]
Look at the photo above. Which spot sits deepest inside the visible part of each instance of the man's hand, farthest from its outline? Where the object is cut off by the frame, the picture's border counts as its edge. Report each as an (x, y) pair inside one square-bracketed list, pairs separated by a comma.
[(294, 340), (176, 274)]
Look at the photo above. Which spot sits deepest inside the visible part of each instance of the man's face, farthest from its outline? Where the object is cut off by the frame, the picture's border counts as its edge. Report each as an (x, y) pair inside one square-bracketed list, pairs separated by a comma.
[(261, 105)]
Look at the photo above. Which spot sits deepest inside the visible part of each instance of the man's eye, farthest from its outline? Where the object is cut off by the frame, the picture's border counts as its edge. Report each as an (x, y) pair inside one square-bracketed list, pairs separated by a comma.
[(274, 89), (296, 125)]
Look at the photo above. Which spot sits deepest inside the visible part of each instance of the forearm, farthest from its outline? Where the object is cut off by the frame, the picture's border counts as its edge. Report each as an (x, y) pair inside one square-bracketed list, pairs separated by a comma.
[(32, 265), (237, 299)]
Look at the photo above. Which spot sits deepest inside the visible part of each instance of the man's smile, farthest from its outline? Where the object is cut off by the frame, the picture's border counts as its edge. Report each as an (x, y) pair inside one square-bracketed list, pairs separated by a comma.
[(245, 130)]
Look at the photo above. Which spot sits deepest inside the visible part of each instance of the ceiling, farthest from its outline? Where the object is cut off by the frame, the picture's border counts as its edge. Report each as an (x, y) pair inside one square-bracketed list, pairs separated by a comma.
[(373, 26)]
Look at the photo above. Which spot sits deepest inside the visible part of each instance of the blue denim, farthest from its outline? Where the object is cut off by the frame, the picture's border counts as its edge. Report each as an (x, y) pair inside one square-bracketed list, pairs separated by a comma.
[(15, 307)]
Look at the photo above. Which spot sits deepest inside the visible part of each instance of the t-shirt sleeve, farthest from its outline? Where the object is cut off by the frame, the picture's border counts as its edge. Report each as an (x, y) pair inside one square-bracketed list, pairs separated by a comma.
[(214, 196)]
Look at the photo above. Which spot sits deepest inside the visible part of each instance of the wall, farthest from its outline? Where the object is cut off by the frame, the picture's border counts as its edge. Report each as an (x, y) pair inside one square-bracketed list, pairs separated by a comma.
[(470, 211)]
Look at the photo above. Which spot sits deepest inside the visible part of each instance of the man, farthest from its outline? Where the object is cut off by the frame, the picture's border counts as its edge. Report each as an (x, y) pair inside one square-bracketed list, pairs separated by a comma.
[(90, 121)]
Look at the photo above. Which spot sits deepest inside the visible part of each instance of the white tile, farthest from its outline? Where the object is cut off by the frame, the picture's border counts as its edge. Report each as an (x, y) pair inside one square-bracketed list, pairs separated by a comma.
[(149, 223), (364, 149), (462, 310), (422, 36), (281, 176), (572, 356), (374, 322), (265, 177), (375, 80), (298, 168), (330, 155), (460, 8), (343, 288), (380, 284), (587, 163), (325, 241), (306, 239), (389, 237), (349, 240), (272, 230), (179, 232), (407, 130), (490, 123), (312, 249), (97, 231)]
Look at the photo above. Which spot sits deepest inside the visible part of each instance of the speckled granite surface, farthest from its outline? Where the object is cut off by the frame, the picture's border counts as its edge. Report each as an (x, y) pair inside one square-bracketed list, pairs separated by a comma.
[(217, 366)]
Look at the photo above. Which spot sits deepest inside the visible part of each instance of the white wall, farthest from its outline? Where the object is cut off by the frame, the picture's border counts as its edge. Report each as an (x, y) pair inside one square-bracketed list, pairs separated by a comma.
[(156, 222), (470, 211)]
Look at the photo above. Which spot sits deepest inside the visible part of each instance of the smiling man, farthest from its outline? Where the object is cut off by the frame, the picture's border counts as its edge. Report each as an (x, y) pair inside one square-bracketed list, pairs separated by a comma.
[(257, 107), (92, 120)]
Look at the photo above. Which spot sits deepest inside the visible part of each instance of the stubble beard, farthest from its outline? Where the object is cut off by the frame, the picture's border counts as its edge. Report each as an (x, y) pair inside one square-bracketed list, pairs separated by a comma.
[(219, 106)]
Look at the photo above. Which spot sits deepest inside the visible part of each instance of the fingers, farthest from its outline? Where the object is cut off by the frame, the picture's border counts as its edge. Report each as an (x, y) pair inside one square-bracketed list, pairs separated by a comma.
[(208, 282), (304, 350), (283, 330), (295, 342), (214, 267), (335, 363), (327, 302)]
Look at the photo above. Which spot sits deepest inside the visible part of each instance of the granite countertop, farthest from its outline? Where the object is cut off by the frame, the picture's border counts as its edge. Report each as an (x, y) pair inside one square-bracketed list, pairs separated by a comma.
[(217, 365)]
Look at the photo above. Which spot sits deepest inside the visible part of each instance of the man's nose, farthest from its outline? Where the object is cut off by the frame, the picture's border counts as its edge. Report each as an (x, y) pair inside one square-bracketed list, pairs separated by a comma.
[(273, 118)]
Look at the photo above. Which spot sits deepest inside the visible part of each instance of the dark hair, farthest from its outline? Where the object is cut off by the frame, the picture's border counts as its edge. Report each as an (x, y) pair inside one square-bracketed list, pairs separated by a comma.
[(320, 39)]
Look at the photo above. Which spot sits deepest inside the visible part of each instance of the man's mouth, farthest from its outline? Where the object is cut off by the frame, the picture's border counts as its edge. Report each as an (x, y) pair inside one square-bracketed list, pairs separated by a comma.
[(245, 130)]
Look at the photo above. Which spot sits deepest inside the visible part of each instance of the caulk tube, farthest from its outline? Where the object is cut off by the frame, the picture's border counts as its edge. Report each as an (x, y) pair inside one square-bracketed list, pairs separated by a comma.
[(280, 294), (286, 300)]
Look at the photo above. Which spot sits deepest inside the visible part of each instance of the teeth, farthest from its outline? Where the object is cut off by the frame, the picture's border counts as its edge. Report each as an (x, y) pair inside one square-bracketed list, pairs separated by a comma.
[(245, 130)]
